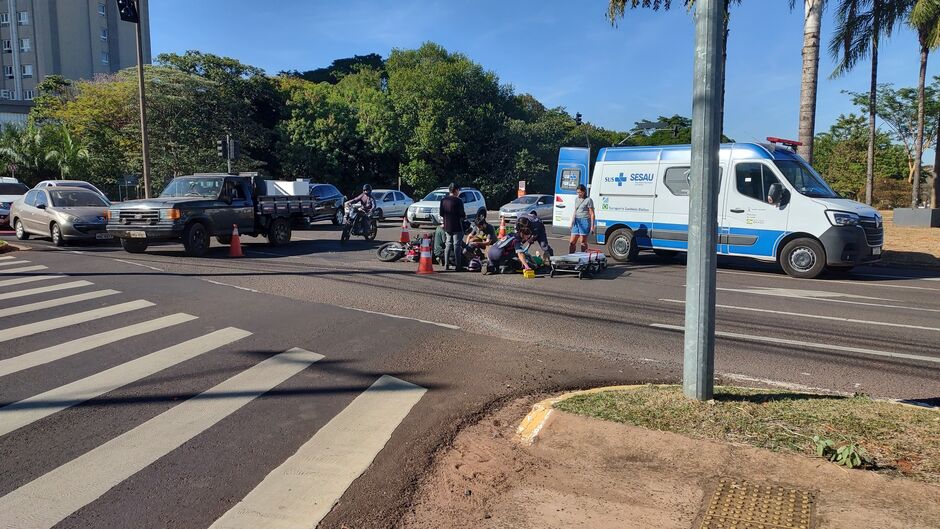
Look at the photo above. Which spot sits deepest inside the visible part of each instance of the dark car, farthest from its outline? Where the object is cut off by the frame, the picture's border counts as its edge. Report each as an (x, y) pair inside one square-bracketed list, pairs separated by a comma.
[(329, 203)]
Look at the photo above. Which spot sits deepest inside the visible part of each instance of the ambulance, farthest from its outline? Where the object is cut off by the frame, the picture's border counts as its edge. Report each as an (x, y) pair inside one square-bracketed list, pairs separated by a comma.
[(772, 206)]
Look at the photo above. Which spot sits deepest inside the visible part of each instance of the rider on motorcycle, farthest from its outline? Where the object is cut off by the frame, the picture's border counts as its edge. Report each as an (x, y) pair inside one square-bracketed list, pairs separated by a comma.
[(365, 199)]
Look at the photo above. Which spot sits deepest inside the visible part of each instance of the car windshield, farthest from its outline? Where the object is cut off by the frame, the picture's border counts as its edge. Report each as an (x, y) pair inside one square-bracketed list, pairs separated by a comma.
[(806, 181), (193, 187), (528, 199), (435, 196), (74, 198), (13, 189)]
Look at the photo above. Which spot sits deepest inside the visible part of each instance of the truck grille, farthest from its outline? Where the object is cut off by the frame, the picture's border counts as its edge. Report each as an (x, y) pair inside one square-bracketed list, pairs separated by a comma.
[(874, 231), (139, 216)]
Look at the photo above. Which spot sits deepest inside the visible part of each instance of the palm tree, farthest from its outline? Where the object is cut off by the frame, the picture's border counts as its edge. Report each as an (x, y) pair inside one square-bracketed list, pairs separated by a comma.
[(812, 27), (860, 25), (925, 19), (68, 155), (24, 146)]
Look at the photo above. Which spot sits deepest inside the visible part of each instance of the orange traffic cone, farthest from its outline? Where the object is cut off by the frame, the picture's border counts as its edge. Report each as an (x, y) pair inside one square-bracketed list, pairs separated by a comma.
[(426, 264), (502, 227), (235, 248), (405, 236)]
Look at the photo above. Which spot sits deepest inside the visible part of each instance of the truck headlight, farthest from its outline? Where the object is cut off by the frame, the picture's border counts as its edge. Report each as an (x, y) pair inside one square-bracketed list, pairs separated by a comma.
[(842, 218), (169, 214)]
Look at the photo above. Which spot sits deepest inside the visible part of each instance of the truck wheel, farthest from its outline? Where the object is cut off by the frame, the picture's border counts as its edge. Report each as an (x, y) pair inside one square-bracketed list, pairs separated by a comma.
[(803, 258), (132, 246), (224, 239), (279, 232), (196, 240), (21, 232), (621, 245)]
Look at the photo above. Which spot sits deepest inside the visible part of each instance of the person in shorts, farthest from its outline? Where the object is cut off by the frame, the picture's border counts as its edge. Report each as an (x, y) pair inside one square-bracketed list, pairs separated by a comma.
[(582, 222)]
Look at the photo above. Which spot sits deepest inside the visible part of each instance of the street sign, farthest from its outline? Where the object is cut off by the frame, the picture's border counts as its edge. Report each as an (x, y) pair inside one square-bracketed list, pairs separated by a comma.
[(521, 188), (128, 10), (131, 179)]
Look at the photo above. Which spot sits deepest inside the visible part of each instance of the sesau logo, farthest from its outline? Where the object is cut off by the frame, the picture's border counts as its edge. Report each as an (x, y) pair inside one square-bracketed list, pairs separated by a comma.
[(641, 177), (638, 178)]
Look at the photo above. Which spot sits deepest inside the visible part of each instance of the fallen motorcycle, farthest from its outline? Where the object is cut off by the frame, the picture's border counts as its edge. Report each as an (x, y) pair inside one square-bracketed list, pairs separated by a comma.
[(396, 251)]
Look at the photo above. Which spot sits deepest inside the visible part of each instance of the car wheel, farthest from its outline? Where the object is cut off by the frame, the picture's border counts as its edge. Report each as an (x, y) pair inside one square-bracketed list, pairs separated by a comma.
[(21, 232), (337, 217), (56, 233), (621, 245), (379, 214), (279, 232), (803, 258), (196, 240), (132, 246)]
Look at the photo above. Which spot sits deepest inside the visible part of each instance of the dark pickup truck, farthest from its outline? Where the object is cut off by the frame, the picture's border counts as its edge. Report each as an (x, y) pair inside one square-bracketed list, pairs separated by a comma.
[(195, 208)]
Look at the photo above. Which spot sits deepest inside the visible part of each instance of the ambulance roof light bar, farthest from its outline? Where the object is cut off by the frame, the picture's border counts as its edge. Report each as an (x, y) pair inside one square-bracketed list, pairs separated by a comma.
[(792, 144)]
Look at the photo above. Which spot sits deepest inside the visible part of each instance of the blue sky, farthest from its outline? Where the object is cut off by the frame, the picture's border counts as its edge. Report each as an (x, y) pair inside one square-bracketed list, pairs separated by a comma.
[(563, 52)]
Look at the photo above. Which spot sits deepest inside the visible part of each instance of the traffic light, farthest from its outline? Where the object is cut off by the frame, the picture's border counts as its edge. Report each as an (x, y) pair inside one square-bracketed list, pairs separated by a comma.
[(221, 147), (577, 119), (234, 149), (128, 10)]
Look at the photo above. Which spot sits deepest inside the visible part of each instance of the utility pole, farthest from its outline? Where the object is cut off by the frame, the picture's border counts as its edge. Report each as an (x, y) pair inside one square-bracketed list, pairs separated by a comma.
[(228, 152), (698, 377), (130, 12)]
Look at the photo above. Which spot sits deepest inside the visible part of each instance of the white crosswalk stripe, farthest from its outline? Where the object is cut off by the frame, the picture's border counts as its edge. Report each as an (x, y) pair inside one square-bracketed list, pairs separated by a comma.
[(304, 489), (19, 414), (44, 290), (58, 302), (49, 499), (12, 263), (59, 351), (34, 268), (6, 257), (28, 279), (72, 319)]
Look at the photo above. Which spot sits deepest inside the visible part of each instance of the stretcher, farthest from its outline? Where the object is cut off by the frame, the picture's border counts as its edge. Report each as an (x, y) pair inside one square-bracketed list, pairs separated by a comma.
[(585, 264)]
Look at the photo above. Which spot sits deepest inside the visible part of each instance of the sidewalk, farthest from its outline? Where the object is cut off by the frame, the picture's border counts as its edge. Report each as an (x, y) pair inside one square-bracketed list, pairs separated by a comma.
[(590, 473)]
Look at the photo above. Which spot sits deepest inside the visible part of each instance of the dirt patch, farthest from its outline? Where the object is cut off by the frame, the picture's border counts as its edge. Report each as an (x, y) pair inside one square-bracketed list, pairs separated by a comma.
[(590, 473), (910, 246)]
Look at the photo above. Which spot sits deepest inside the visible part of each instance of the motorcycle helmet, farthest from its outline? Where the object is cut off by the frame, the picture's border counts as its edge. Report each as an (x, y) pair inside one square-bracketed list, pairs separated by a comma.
[(475, 264), (367, 189)]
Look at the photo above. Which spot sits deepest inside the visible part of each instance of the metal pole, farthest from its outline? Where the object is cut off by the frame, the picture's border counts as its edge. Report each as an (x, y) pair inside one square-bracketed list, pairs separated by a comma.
[(228, 152), (699, 366), (144, 145)]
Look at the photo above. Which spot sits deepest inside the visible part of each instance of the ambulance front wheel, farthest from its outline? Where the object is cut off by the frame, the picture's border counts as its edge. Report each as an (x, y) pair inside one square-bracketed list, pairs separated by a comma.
[(621, 245), (803, 258)]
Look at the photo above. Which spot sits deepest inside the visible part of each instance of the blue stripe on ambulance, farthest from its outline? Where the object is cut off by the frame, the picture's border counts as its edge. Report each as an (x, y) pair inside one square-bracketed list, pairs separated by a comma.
[(766, 244)]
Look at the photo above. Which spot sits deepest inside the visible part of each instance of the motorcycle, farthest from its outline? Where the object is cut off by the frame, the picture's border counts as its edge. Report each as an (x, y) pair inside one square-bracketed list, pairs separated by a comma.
[(358, 222), (409, 251)]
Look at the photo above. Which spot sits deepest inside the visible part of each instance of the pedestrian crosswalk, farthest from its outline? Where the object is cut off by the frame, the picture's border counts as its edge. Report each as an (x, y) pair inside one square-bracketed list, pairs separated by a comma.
[(298, 492)]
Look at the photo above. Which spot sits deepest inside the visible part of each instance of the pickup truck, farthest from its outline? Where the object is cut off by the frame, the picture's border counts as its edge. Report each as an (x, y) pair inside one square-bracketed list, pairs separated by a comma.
[(194, 208)]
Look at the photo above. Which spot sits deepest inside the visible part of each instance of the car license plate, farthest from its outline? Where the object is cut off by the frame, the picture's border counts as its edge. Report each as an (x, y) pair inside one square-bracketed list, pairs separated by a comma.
[(876, 250), (137, 234), (103, 236)]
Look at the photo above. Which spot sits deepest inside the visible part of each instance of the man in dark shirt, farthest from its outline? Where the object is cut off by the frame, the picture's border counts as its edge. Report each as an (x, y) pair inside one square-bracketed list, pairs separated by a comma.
[(539, 234), (452, 216)]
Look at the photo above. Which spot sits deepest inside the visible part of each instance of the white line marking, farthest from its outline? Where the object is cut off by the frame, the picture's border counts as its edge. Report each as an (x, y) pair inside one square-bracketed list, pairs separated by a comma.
[(58, 302), (13, 263), (797, 293), (6, 257), (43, 290), (228, 285), (777, 293), (304, 489), (841, 281), (19, 414), (396, 316), (780, 384), (72, 319), (784, 341), (30, 279), (816, 316), (24, 269), (56, 352), (138, 264), (47, 500)]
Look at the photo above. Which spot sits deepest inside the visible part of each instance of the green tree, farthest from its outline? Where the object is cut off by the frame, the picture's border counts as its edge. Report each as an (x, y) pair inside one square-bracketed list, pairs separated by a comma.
[(925, 19), (860, 26), (340, 68), (66, 154), (25, 147)]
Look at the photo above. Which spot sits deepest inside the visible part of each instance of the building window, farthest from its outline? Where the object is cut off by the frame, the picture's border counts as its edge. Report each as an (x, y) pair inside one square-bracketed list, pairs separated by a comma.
[(5, 94), (4, 18), (7, 45), (28, 95), (8, 71), (25, 45), (101, 9), (105, 58), (22, 17), (27, 70), (104, 33)]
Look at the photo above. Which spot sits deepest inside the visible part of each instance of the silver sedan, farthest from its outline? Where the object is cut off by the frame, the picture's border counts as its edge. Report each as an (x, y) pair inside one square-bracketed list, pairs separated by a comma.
[(542, 205), (62, 214)]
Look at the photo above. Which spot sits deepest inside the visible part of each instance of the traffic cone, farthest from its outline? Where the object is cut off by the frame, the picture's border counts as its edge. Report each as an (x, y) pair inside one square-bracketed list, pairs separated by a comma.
[(502, 227), (405, 236), (426, 264), (235, 248)]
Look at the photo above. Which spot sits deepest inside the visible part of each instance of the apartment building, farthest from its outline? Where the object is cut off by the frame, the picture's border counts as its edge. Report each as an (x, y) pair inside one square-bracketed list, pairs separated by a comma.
[(77, 39)]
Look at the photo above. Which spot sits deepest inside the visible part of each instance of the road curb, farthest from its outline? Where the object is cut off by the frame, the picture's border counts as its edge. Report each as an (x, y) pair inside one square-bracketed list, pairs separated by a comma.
[(10, 247), (532, 424)]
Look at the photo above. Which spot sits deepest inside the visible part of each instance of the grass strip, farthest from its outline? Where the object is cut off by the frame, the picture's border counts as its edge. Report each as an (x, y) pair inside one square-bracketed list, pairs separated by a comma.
[(902, 440)]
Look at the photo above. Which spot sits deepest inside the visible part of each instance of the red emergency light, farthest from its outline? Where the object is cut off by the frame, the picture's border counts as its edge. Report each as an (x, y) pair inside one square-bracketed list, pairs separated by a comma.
[(781, 141)]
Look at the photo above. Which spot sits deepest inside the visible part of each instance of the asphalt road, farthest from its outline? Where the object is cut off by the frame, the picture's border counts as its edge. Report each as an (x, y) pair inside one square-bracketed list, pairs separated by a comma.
[(158, 390)]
